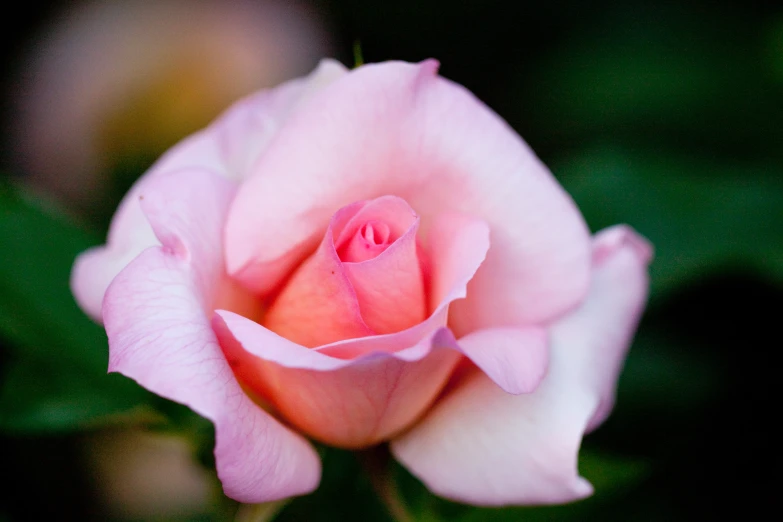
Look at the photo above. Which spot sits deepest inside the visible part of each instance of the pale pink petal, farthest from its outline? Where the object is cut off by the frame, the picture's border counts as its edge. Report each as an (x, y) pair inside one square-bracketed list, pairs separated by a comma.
[(94, 270), (366, 243), (397, 128), (156, 313), (457, 245), (515, 359), (228, 147), (483, 446), (390, 287), (245, 130), (624, 298)]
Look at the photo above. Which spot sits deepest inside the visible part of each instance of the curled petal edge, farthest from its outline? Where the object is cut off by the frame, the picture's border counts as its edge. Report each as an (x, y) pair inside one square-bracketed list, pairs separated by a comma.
[(481, 446), (160, 336)]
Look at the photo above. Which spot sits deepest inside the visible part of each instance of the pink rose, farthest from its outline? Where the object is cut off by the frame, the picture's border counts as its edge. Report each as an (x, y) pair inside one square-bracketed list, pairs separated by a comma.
[(328, 255)]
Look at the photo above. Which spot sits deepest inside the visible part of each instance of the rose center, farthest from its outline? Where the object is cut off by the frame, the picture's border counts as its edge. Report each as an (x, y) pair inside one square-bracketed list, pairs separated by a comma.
[(375, 233), (364, 279), (369, 241)]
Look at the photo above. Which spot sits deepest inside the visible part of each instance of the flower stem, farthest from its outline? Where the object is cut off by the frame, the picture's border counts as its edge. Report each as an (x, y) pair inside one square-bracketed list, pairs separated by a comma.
[(376, 462), (259, 512)]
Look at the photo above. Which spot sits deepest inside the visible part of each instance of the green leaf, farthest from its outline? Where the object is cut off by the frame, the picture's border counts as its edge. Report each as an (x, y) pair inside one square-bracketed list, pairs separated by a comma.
[(46, 396), (775, 49), (662, 374), (702, 216), (665, 74), (38, 310), (611, 474), (55, 378)]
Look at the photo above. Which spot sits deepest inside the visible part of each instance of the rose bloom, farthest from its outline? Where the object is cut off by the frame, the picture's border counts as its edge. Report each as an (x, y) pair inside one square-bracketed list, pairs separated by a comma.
[(368, 256)]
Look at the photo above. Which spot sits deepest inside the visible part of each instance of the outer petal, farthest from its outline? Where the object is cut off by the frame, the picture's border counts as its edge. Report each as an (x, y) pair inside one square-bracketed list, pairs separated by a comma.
[(245, 130), (396, 128), (156, 316), (228, 147), (482, 446)]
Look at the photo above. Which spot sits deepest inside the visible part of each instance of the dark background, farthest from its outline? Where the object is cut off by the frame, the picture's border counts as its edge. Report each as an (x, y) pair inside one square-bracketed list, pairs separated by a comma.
[(667, 117)]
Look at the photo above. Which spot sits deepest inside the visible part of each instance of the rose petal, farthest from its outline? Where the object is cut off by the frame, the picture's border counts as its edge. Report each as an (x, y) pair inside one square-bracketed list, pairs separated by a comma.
[(390, 286), (483, 446), (515, 359), (630, 253), (366, 243), (342, 403), (155, 312), (397, 128), (318, 305), (390, 210), (227, 147), (459, 245), (361, 391), (328, 300), (359, 402), (245, 130), (374, 407)]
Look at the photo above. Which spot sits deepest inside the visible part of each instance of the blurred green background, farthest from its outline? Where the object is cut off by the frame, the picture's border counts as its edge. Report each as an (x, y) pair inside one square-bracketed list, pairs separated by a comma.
[(666, 117)]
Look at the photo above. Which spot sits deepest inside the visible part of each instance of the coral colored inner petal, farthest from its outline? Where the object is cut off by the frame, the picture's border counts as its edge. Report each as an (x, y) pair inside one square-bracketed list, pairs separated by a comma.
[(351, 404), (462, 244), (390, 286), (318, 304), (369, 281)]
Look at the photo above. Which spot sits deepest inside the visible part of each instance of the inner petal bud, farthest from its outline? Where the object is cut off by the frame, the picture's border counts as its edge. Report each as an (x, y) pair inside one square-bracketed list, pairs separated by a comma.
[(365, 278), (370, 240)]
